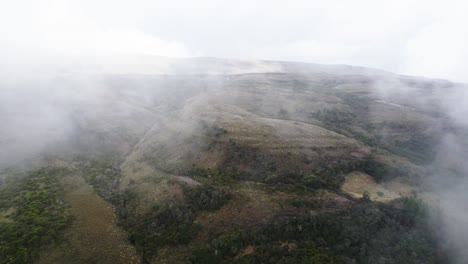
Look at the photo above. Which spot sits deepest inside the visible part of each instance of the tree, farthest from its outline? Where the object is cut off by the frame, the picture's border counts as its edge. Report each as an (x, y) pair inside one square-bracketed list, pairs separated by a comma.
[(366, 196)]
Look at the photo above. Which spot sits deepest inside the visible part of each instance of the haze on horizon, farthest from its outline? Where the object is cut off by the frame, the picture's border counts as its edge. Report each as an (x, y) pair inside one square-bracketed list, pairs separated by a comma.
[(423, 38)]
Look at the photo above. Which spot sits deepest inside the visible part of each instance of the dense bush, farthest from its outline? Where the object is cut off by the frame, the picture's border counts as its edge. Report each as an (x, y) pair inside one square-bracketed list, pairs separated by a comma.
[(299, 181), (91, 168), (39, 215), (166, 226), (367, 233), (216, 175), (206, 198), (381, 171), (419, 147), (256, 163)]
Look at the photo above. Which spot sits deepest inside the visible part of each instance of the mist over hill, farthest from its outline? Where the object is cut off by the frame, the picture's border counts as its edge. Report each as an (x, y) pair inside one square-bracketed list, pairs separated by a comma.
[(231, 161)]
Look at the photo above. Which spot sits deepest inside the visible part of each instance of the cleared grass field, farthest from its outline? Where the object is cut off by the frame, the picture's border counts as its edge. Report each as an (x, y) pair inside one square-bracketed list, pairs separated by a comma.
[(94, 236)]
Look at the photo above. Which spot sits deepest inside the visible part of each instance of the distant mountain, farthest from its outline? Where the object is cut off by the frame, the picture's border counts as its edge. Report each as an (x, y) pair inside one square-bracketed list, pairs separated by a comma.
[(147, 64)]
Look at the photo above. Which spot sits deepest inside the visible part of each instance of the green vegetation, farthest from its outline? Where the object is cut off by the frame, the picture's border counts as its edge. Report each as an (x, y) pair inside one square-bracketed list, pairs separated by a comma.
[(216, 175), (418, 145), (366, 196), (91, 168), (166, 225), (161, 226), (368, 233), (381, 171), (103, 174), (345, 121), (257, 163), (309, 204), (214, 131), (39, 214), (205, 198), (300, 182), (419, 148), (260, 166), (295, 181), (415, 205)]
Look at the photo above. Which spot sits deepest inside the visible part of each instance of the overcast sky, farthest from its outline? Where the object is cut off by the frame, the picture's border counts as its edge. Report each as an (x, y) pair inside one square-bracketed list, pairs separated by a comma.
[(427, 38)]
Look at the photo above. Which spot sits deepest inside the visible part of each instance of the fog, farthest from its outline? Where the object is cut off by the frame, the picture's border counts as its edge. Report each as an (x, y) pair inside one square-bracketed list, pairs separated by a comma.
[(74, 113), (406, 37), (93, 78), (445, 183)]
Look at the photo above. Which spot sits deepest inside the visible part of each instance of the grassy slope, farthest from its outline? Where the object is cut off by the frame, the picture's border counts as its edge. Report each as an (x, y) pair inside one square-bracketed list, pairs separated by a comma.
[(93, 236), (261, 136), (280, 145)]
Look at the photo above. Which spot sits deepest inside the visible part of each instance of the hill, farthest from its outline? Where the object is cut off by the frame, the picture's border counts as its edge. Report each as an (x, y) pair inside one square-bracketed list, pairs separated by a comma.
[(223, 161)]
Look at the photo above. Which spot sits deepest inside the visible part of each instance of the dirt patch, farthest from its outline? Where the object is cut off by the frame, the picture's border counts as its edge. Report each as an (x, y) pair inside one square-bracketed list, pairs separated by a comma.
[(248, 250), (291, 246)]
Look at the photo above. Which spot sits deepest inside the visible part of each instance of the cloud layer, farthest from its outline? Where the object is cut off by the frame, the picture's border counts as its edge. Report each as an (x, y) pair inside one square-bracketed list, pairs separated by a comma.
[(409, 37)]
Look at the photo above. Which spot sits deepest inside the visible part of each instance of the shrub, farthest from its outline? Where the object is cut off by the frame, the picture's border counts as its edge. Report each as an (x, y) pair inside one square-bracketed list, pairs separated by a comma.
[(206, 198), (40, 215), (367, 233)]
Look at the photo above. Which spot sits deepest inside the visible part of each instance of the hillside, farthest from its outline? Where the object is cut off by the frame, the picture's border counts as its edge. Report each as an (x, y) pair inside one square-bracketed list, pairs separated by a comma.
[(222, 161)]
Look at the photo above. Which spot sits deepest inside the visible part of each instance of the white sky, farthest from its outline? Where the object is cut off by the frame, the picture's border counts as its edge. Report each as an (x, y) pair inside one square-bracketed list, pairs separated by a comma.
[(427, 38)]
